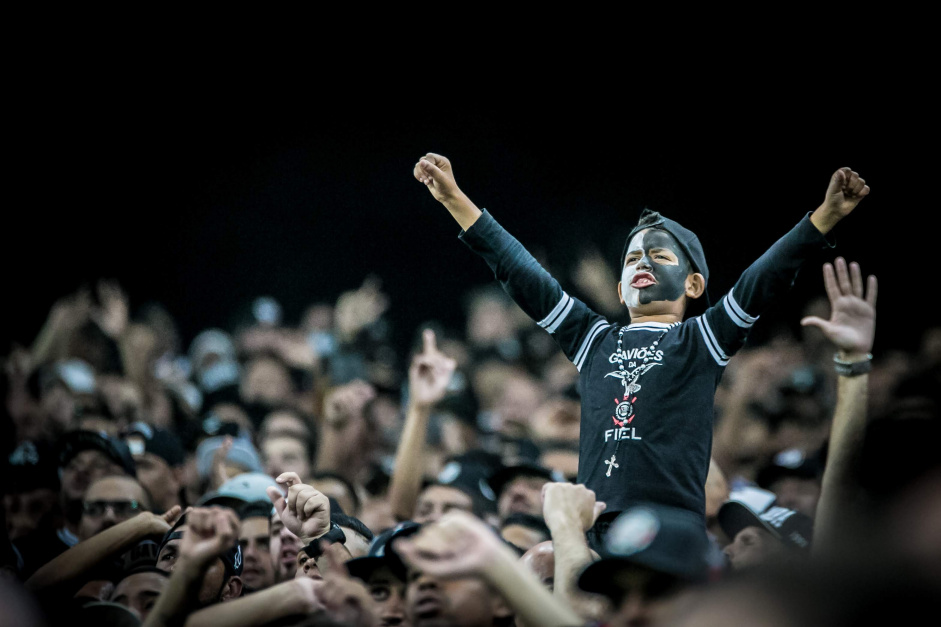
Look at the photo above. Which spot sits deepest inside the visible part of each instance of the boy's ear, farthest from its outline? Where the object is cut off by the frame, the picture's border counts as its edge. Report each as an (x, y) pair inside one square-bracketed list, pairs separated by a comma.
[(620, 295), (695, 285)]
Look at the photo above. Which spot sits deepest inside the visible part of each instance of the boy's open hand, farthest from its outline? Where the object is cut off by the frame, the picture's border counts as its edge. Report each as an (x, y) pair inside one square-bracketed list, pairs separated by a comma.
[(845, 191), (435, 172), (852, 322)]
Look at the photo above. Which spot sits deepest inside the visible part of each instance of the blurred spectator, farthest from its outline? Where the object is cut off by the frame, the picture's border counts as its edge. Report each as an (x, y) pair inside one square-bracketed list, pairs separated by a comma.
[(773, 536)]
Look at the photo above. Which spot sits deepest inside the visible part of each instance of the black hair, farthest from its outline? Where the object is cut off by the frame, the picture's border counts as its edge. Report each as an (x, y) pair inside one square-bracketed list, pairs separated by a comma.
[(648, 217), (326, 474), (352, 523), (255, 509)]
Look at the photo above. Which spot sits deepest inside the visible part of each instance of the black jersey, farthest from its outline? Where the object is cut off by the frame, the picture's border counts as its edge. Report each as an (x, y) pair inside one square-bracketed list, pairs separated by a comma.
[(647, 403)]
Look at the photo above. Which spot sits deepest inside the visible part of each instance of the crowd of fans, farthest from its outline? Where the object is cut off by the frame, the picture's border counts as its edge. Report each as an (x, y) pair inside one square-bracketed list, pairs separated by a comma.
[(280, 473)]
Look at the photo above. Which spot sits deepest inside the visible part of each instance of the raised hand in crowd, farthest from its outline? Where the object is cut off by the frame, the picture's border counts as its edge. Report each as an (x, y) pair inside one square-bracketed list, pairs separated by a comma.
[(428, 378), (210, 532), (343, 598), (851, 328), (112, 313), (304, 511), (852, 324), (358, 309), (460, 545)]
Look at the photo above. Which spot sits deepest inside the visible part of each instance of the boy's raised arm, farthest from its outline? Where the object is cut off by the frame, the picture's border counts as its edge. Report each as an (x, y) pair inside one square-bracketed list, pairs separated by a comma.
[(435, 172)]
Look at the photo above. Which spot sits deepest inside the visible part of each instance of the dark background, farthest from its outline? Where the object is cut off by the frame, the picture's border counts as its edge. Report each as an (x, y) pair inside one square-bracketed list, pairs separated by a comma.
[(203, 203)]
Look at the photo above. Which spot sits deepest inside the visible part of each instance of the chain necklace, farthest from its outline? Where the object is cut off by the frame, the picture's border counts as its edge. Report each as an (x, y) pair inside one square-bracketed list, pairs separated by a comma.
[(629, 381)]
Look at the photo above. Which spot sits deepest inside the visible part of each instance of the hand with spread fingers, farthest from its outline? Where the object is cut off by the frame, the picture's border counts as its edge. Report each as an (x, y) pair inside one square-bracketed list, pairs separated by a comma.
[(852, 323), (210, 532), (305, 511), (458, 545), (429, 373), (345, 599)]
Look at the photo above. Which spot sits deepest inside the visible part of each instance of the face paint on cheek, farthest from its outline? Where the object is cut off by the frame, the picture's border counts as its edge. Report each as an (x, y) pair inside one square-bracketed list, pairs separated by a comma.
[(670, 277)]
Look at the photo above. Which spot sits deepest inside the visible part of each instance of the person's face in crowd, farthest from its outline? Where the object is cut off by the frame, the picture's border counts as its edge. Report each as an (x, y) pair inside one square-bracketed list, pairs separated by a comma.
[(388, 591), (139, 592), (336, 489), (25, 510), (522, 495), (285, 453), (283, 546), (266, 380), (82, 469), (457, 602), (162, 482), (540, 559), (284, 422), (307, 567), (798, 494), (109, 501), (435, 500), (58, 404), (753, 546), (488, 322), (655, 270), (561, 460), (123, 398), (215, 586), (257, 567), (356, 544), (522, 536), (647, 597)]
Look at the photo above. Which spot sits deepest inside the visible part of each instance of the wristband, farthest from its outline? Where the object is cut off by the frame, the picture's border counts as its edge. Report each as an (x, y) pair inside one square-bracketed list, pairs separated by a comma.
[(852, 368)]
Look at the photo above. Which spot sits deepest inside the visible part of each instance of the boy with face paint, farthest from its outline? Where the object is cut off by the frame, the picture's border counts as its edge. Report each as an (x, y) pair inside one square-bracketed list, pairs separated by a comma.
[(648, 388)]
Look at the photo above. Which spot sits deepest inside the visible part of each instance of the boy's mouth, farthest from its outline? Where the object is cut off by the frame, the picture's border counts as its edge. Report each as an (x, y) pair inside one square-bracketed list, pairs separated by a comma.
[(643, 279)]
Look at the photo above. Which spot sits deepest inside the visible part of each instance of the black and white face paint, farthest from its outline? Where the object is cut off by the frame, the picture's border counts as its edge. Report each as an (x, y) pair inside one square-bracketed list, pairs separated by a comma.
[(655, 268)]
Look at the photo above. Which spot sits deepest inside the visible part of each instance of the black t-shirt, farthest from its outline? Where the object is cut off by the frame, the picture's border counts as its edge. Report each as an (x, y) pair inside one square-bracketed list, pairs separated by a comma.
[(646, 430)]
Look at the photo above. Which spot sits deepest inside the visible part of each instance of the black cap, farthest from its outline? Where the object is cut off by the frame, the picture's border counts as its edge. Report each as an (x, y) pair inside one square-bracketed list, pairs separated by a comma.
[(74, 442), (792, 528), (502, 477), (789, 463), (684, 237), (144, 438), (32, 465), (665, 540), (381, 553)]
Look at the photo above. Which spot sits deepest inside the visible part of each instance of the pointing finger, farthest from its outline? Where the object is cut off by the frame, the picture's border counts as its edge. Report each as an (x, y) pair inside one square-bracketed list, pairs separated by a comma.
[(287, 479), (429, 344)]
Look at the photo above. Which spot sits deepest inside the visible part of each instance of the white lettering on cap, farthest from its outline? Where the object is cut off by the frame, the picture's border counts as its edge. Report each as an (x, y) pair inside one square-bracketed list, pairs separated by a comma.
[(775, 516)]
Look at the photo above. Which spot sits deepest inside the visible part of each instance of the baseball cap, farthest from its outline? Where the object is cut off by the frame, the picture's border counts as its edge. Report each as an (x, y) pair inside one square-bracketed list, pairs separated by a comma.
[(243, 453), (792, 528), (791, 462), (684, 237), (665, 540), (502, 477), (231, 559), (381, 553), (144, 438), (31, 466), (72, 443), (239, 490)]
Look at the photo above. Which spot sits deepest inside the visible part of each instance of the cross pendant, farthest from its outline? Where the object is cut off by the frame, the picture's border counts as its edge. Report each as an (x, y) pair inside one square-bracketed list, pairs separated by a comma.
[(611, 466)]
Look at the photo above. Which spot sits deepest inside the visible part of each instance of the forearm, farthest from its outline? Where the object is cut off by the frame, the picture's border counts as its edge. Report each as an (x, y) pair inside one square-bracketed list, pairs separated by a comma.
[(408, 471), (179, 598), (462, 210), (259, 608), (572, 555), (84, 556), (846, 436), (532, 603)]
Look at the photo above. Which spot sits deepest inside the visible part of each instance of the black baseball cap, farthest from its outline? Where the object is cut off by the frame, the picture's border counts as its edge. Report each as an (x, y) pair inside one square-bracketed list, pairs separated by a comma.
[(31, 466), (684, 237), (144, 438), (791, 527), (74, 442), (665, 540), (381, 553), (502, 477)]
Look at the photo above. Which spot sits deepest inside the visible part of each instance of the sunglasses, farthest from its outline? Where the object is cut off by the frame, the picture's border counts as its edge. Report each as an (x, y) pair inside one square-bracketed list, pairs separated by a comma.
[(120, 508)]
